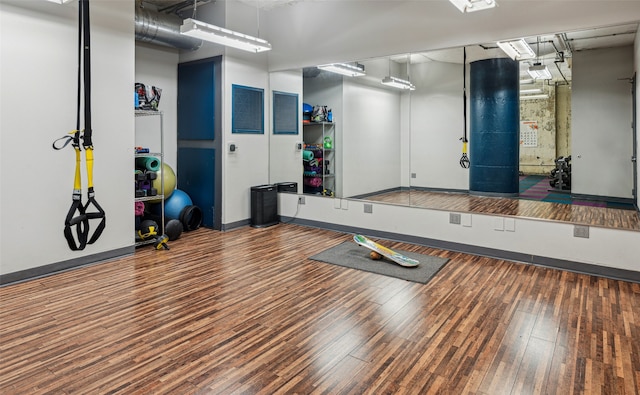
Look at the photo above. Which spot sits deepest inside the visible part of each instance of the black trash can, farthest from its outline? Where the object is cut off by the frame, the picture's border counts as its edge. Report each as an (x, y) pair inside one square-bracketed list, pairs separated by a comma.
[(289, 187), (264, 206)]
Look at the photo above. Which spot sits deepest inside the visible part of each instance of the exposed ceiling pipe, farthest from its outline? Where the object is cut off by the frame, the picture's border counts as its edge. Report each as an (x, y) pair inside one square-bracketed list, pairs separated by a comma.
[(162, 29)]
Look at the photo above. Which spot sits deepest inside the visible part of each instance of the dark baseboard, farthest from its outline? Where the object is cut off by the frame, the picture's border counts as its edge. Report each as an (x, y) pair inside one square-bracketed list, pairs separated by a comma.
[(234, 225), (366, 195), (606, 199), (553, 263), (58, 267), (412, 188), (442, 190)]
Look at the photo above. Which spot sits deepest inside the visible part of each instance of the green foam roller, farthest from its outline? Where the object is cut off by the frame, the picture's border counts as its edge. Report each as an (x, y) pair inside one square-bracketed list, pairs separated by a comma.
[(307, 155), (148, 162)]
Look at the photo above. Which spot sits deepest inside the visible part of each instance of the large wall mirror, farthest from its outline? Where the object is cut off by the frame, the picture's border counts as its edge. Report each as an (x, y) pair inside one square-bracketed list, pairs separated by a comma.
[(403, 144)]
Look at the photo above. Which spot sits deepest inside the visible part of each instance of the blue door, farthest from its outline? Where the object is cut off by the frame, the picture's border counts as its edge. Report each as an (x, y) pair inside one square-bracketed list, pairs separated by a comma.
[(199, 136)]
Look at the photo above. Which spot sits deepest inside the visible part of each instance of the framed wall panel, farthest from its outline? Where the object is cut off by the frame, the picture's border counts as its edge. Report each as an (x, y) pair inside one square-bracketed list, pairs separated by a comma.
[(285, 113), (247, 111)]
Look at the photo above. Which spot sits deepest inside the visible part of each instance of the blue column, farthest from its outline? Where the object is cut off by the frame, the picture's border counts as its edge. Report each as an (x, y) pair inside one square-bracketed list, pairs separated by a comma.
[(494, 138)]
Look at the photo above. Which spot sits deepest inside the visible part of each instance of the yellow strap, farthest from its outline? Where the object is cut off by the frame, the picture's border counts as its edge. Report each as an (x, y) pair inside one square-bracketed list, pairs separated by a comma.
[(88, 154), (464, 147), (77, 181)]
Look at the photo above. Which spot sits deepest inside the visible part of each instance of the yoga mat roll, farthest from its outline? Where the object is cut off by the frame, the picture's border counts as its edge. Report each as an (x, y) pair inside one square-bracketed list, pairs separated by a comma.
[(148, 162), (307, 155)]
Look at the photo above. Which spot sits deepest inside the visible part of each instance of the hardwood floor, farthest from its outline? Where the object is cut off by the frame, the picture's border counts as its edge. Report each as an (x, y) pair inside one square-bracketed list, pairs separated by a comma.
[(246, 312), (594, 216)]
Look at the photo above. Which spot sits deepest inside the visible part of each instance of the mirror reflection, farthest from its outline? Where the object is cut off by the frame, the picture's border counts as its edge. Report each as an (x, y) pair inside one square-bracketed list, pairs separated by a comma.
[(397, 129)]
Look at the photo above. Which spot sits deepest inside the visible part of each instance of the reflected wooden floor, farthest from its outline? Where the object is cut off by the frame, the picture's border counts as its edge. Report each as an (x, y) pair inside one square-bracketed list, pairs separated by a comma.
[(247, 312), (594, 216)]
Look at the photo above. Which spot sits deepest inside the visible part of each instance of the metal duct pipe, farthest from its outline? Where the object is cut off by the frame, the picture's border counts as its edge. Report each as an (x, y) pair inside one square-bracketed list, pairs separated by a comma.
[(163, 29)]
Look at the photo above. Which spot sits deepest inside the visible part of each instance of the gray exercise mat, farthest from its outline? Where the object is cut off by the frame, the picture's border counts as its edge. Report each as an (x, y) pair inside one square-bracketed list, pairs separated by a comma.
[(349, 254)]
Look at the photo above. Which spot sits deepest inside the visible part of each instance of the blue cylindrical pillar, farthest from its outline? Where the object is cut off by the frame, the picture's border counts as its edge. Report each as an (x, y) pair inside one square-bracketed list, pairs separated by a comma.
[(494, 138)]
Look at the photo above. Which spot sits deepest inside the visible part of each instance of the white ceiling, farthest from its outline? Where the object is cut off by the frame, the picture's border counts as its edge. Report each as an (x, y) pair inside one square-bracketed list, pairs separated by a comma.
[(546, 46), (549, 45)]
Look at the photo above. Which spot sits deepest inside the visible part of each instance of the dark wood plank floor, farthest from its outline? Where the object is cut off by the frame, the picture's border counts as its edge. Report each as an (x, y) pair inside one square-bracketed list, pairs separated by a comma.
[(463, 202), (246, 312)]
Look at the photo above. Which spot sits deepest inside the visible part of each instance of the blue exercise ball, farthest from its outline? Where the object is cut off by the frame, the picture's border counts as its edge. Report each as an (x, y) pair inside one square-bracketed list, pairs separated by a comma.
[(175, 203)]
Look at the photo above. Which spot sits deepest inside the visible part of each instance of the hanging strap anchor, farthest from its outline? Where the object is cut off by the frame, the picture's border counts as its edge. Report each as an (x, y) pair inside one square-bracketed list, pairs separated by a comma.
[(464, 160), (78, 216)]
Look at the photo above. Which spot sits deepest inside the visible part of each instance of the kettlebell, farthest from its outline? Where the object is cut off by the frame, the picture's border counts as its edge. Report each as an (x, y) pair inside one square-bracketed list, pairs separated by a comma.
[(327, 143)]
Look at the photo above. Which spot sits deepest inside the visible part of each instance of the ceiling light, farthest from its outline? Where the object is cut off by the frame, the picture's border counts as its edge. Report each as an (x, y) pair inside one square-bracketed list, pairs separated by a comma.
[(220, 35), (528, 91), (532, 97), (473, 5), (398, 83), (351, 70), (539, 72), (60, 1), (517, 49)]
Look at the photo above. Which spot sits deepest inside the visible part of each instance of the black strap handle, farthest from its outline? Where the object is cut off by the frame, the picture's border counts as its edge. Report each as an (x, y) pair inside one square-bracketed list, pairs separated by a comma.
[(80, 222)]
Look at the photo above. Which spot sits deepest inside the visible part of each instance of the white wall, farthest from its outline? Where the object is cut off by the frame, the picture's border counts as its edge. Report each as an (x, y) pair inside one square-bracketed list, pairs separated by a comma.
[(38, 105), (486, 231), (158, 66), (437, 124), (370, 138), (601, 122), (285, 160), (249, 165)]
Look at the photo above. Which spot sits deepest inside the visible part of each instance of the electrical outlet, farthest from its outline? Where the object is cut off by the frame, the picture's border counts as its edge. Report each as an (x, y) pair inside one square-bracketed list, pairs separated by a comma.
[(368, 208), (581, 231), (301, 200), (455, 218), (510, 224)]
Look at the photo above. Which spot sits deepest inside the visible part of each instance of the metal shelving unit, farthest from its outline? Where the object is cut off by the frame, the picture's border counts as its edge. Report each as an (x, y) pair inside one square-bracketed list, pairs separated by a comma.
[(160, 155), (315, 135)]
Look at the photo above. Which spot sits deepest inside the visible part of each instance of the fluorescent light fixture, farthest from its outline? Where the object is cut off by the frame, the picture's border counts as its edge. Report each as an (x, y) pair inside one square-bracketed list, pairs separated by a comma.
[(220, 35), (529, 91), (527, 81), (351, 70), (473, 5), (60, 1), (539, 72), (517, 49), (533, 97), (398, 83)]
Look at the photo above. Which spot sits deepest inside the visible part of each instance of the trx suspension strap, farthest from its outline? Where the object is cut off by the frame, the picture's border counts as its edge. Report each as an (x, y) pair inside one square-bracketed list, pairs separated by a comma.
[(464, 161), (79, 215)]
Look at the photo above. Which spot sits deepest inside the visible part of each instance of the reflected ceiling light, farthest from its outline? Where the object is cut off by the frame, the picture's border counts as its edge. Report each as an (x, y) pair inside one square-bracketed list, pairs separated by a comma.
[(398, 83), (529, 91), (473, 5), (351, 70), (219, 35), (539, 71), (526, 81), (533, 97), (59, 1), (517, 49)]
